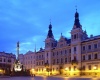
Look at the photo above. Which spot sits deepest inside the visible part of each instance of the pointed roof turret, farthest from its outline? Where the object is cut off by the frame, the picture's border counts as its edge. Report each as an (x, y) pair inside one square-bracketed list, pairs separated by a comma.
[(50, 34), (76, 22)]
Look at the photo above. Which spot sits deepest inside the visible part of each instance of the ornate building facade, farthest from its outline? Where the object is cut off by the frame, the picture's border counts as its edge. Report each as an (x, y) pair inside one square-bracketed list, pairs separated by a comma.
[(79, 55)]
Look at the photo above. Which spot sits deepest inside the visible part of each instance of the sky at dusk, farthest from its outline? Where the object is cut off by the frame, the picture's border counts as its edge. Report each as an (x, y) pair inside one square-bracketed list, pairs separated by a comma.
[(27, 21)]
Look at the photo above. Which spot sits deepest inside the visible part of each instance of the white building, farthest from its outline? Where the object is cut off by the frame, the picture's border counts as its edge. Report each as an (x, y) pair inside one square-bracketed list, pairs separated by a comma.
[(79, 55), (28, 60)]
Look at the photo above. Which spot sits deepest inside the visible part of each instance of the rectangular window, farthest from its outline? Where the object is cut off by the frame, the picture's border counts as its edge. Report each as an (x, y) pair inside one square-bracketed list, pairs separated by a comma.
[(9, 60), (72, 37), (89, 67), (56, 69), (83, 57), (83, 67), (65, 60), (89, 47), (95, 46), (89, 57), (47, 61), (69, 50), (74, 48), (61, 60), (75, 58), (42, 62), (74, 68), (57, 53), (54, 61), (37, 57), (95, 56), (61, 52), (65, 51), (57, 60), (69, 59), (53, 54), (53, 69), (83, 48), (0, 59), (4, 60), (37, 63), (75, 36), (42, 56), (47, 54)]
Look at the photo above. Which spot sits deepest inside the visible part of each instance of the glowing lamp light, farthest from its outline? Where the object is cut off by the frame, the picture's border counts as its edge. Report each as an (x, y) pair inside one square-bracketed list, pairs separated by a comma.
[(94, 67), (66, 69), (1, 71), (45, 69)]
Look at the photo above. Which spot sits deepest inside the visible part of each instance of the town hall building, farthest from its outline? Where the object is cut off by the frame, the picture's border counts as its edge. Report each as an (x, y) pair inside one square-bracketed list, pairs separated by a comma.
[(79, 55)]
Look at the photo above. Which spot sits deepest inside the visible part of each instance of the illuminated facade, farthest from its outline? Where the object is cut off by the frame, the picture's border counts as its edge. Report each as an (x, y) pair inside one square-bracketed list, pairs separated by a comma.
[(6, 62), (79, 55), (28, 61)]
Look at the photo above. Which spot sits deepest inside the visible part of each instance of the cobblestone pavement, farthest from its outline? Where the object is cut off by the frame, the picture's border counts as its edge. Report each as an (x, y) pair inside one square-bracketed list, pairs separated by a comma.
[(49, 78)]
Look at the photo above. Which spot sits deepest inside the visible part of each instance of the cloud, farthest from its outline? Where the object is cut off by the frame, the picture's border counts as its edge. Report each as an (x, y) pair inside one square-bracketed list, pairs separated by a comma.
[(28, 21)]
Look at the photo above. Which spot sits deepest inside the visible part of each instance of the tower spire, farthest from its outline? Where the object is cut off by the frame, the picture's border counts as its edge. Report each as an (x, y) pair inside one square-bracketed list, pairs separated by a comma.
[(50, 34), (76, 8), (76, 22)]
